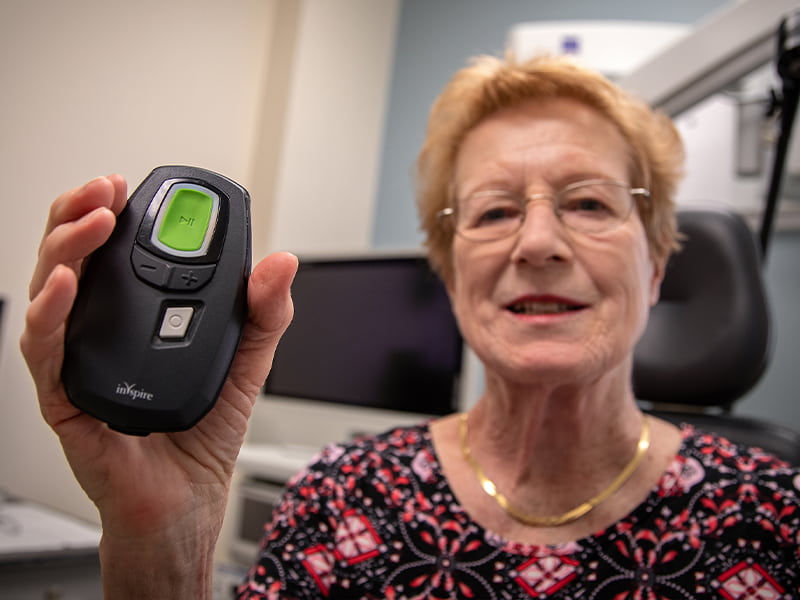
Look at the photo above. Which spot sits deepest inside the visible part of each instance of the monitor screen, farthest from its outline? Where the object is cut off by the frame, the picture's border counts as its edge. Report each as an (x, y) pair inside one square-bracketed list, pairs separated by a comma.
[(376, 332)]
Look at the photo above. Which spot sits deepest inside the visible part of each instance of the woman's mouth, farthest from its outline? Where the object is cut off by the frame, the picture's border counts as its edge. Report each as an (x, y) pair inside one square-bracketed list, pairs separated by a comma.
[(543, 307)]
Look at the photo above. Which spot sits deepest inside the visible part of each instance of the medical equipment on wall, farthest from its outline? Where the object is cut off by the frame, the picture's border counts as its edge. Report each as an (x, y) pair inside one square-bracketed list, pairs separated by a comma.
[(718, 81)]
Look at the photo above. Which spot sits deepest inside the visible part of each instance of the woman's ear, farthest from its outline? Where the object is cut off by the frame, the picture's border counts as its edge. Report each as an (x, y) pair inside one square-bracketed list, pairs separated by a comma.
[(659, 268)]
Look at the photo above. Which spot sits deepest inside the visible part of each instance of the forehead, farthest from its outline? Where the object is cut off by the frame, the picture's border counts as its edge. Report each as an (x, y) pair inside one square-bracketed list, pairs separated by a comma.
[(555, 140)]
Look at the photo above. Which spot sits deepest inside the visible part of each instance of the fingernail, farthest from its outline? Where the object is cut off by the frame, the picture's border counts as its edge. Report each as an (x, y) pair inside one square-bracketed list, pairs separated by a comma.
[(90, 182)]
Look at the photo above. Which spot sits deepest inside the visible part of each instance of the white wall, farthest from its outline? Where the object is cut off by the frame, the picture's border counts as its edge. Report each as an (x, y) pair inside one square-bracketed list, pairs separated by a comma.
[(328, 164), (92, 87), (286, 96)]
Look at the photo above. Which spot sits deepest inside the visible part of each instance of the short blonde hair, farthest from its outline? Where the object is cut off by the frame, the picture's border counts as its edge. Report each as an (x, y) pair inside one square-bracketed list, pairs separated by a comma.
[(489, 84)]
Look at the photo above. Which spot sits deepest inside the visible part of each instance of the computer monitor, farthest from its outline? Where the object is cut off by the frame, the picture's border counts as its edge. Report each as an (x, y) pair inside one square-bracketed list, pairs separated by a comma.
[(373, 331)]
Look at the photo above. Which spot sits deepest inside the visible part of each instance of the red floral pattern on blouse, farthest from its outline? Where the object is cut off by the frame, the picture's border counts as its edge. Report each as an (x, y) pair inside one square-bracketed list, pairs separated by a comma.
[(376, 519)]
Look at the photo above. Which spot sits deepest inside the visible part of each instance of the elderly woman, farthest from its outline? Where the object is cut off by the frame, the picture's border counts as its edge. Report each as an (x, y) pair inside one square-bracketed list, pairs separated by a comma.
[(545, 193)]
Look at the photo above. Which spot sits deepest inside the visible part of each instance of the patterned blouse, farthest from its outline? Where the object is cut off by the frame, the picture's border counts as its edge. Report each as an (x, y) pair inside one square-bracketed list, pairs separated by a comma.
[(376, 519)]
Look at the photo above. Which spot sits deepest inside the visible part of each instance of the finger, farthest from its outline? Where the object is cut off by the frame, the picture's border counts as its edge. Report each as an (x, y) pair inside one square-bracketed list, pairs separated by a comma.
[(42, 341), (120, 193), (271, 311), (106, 192), (269, 292), (79, 221), (70, 243)]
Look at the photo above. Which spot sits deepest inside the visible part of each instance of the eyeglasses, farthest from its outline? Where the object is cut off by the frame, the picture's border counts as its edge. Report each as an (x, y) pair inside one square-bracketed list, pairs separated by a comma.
[(592, 206)]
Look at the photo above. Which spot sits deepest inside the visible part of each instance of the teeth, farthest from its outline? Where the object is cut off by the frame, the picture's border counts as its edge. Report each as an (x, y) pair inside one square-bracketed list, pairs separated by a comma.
[(541, 308)]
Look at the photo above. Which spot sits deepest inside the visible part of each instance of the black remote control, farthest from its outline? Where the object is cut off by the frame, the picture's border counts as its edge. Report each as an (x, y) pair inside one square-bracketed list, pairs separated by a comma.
[(161, 305)]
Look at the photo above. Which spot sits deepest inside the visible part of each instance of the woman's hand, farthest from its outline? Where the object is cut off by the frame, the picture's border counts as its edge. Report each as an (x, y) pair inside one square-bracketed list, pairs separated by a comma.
[(161, 498)]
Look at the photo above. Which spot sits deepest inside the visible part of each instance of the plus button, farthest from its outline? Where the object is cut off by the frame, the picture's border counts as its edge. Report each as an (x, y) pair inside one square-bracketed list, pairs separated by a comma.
[(189, 278)]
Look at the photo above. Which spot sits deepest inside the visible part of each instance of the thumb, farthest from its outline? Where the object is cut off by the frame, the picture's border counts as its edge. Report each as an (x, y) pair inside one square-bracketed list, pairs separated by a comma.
[(268, 294), (270, 312)]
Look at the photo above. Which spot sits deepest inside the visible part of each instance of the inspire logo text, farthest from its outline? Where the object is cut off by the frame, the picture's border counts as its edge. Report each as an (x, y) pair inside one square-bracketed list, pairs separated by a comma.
[(129, 390)]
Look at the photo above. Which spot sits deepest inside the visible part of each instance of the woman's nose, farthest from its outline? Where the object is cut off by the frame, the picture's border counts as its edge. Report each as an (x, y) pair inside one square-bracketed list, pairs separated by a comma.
[(542, 237)]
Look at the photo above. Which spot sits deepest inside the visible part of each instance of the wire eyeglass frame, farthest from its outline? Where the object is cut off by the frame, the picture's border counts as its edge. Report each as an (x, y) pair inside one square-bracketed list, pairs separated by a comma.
[(592, 206)]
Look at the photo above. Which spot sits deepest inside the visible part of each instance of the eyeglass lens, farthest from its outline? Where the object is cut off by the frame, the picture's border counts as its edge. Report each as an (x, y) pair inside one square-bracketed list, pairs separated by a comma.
[(587, 207)]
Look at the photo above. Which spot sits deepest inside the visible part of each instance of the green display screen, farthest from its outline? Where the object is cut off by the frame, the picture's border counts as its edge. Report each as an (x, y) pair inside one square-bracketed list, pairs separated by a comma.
[(186, 220)]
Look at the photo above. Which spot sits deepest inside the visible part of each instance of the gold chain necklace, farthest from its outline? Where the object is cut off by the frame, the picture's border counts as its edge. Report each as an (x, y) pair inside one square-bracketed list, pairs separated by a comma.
[(571, 515)]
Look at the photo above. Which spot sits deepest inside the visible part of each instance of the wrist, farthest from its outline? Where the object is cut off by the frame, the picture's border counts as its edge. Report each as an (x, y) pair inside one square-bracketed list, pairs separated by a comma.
[(163, 548), (162, 554), (163, 566)]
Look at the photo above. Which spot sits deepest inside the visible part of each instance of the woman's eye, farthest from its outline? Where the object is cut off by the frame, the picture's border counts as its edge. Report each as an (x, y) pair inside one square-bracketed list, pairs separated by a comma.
[(491, 209), (498, 213), (587, 205)]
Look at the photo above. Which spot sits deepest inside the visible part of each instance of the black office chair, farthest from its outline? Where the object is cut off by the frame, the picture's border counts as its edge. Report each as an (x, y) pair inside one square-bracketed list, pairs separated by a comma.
[(708, 340)]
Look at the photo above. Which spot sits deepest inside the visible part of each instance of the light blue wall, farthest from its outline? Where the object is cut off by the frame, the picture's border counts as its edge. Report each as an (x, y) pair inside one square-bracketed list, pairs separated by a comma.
[(777, 395), (435, 37)]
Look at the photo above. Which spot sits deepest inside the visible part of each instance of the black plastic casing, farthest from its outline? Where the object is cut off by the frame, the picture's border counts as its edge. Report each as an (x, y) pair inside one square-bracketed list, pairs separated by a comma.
[(116, 366)]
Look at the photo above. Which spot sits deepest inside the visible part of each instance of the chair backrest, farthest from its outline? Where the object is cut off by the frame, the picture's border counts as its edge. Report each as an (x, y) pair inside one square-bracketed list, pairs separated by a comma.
[(708, 339)]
